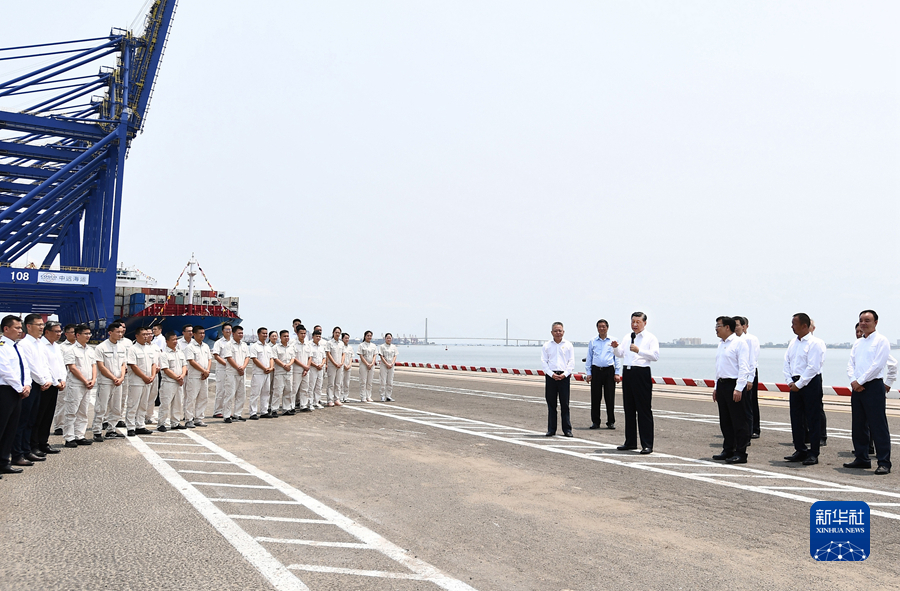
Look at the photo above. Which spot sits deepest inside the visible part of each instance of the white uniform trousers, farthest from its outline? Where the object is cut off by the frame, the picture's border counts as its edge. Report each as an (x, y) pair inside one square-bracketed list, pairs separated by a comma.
[(170, 395), (282, 393), (234, 395), (259, 393), (154, 392), (136, 409), (196, 391), (59, 415), (332, 383), (273, 401), (316, 380), (104, 409), (220, 388), (365, 381), (119, 401), (345, 383), (300, 384), (387, 381), (78, 402)]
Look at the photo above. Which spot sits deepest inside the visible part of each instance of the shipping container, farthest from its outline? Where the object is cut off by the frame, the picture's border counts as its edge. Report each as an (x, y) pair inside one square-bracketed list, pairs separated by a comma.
[(137, 298), (179, 300)]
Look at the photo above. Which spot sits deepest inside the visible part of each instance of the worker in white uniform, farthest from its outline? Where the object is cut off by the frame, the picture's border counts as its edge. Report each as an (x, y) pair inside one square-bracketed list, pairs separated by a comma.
[(173, 366), (261, 357), (142, 359), (348, 364), (159, 341), (220, 365), (273, 403), (187, 337), (120, 397), (316, 369), (387, 354), (196, 388), (80, 379), (111, 366), (367, 352), (334, 353), (282, 390), (300, 370), (237, 354), (60, 411)]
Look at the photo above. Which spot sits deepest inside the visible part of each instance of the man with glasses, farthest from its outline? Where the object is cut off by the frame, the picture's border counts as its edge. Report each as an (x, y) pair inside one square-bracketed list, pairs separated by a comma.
[(30, 348), (40, 432), (732, 371), (59, 413), (143, 360)]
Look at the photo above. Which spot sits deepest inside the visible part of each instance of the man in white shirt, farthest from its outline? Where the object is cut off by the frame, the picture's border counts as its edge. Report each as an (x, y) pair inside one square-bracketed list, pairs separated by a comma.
[(80, 380), (159, 341), (237, 354), (866, 370), (40, 434), (316, 369), (220, 364), (263, 366), (196, 388), (15, 385), (637, 383), (803, 371), (300, 370), (173, 367), (143, 366), (111, 366), (751, 392), (282, 384), (558, 361), (58, 415), (30, 348), (187, 337), (732, 362)]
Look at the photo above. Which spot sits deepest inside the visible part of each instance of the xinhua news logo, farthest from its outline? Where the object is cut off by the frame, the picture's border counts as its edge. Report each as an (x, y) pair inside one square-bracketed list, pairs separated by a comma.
[(839, 531)]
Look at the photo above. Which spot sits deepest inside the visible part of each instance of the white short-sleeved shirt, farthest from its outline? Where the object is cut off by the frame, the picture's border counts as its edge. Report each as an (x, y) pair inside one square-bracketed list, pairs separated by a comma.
[(348, 355), (238, 352), (336, 348), (112, 355), (217, 349), (388, 352), (317, 352), (285, 354), (261, 352), (83, 359), (199, 353), (143, 357), (173, 361), (367, 351)]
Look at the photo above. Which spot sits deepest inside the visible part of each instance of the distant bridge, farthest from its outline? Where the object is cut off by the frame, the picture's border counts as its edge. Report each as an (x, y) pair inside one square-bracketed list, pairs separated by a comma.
[(507, 340)]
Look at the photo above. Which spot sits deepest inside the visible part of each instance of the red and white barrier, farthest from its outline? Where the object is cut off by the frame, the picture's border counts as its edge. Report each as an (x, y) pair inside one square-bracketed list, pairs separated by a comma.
[(701, 383)]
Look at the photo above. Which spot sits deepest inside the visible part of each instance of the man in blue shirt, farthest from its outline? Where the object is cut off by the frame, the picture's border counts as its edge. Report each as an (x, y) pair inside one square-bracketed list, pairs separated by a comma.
[(603, 370)]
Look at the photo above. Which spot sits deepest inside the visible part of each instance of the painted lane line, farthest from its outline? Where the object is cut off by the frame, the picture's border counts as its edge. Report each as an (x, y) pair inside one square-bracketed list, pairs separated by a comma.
[(179, 444), (196, 461), (608, 458), (365, 535), (354, 545), (215, 473), (275, 572), (352, 571), (282, 519), (255, 501), (189, 453), (233, 485)]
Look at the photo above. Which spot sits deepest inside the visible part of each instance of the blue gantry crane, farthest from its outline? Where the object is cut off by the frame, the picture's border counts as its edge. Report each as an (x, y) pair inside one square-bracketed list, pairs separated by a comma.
[(62, 159)]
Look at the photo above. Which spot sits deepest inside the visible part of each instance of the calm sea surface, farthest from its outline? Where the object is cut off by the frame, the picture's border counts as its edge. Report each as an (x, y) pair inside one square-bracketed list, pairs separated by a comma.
[(673, 363)]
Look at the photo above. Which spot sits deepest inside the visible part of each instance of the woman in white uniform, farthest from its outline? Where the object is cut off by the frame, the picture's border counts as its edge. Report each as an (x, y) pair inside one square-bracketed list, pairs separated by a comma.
[(334, 365), (367, 352), (388, 357), (348, 362)]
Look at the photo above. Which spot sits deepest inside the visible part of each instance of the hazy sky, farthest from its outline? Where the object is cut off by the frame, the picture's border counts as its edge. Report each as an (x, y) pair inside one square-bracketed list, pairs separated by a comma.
[(371, 164)]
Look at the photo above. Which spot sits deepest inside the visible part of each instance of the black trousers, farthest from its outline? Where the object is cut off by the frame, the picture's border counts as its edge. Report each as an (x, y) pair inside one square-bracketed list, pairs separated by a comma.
[(751, 399), (553, 391), (806, 406), (732, 417), (40, 430), (637, 394), (27, 416), (868, 409), (603, 387), (10, 408)]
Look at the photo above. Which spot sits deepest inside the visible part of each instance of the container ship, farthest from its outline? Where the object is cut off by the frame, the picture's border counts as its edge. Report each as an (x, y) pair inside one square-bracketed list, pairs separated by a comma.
[(138, 303)]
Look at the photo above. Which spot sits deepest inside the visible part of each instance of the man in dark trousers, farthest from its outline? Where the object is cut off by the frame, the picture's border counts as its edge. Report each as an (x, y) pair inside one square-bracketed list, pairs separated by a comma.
[(803, 371), (866, 370), (732, 370), (15, 385), (603, 370), (558, 360), (637, 383)]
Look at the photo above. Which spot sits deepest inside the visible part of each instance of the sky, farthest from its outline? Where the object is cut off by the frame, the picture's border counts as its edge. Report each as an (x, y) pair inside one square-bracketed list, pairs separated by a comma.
[(374, 164)]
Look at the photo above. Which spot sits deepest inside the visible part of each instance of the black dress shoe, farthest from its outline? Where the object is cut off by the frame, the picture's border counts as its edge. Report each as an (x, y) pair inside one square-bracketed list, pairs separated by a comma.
[(857, 463), (57, 432), (723, 456), (611, 426), (627, 447), (49, 449), (823, 443), (22, 462), (227, 420), (120, 425), (549, 434), (811, 461), (39, 453), (162, 429), (83, 441), (179, 426), (737, 459), (882, 470), (105, 426), (646, 451), (255, 417), (142, 431), (594, 426), (754, 436), (568, 434), (240, 418), (130, 433), (35, 458), (797, 456), (7, 469), (98, 438), (71, 444)]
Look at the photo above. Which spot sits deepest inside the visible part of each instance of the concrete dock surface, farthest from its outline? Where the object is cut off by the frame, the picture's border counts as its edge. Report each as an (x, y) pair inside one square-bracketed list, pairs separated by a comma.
[(452, 486)]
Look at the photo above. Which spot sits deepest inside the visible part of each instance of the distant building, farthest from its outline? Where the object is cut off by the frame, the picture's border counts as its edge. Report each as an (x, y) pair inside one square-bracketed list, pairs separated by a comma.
[(687, 341)]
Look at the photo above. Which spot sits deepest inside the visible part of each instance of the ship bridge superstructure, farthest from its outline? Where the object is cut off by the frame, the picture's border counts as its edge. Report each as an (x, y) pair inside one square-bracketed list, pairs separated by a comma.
[(68, 113)]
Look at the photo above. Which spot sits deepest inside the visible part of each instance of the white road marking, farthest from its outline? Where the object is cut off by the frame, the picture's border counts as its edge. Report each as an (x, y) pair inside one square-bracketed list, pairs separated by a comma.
[(179, 444), (623, 459), (251, 547)]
